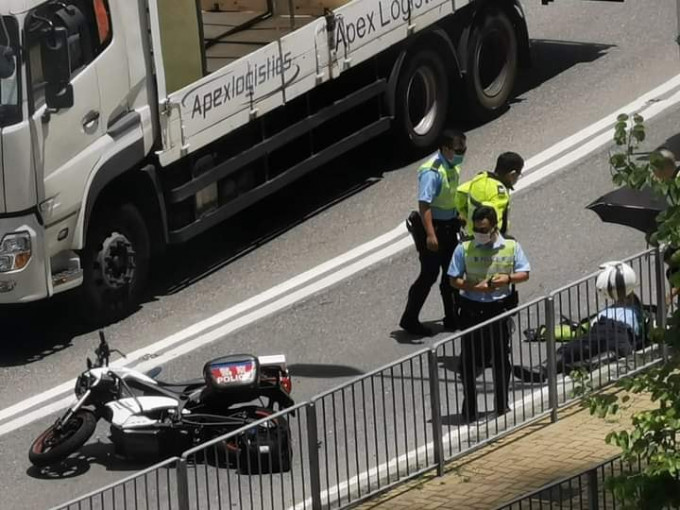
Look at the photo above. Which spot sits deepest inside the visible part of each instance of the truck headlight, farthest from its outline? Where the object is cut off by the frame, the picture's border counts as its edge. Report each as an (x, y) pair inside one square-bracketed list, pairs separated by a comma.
[(15, 251)]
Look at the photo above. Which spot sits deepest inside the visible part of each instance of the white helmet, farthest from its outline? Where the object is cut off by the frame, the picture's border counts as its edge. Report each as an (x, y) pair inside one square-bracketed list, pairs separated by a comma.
[(616, 280)]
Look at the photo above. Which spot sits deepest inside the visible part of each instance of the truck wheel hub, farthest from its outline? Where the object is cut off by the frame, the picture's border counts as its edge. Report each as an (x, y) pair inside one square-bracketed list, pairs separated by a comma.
[(117, 261)]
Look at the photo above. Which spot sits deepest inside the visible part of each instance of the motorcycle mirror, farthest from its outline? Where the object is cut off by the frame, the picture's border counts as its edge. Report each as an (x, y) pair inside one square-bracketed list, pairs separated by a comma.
[(119, 352)]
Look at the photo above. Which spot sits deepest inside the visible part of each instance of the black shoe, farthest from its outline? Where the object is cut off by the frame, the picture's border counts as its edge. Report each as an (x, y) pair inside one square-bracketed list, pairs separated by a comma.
[(450, 324), (415, 328), (469, 418), (527, 375)]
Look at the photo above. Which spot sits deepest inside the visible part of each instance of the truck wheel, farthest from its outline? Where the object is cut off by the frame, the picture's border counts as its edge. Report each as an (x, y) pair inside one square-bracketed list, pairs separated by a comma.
[(115, 265), (422, 100), (492, 64)]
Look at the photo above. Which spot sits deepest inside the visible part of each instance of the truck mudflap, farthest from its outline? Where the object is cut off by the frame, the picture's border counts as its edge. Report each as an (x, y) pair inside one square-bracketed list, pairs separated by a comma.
[(32, 282)]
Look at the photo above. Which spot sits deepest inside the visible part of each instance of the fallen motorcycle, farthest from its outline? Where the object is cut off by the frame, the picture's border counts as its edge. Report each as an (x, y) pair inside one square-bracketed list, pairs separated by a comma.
[(152, 419)]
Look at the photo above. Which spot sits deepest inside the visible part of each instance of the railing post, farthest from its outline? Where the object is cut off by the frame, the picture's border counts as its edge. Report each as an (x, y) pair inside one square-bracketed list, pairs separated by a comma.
[(660, 297), (182, 485), (552, 357), (593, 499), (435, 405), (313, 448)]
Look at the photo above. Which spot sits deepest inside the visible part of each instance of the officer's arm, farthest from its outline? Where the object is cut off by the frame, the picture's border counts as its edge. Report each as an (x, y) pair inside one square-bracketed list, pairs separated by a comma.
[(463, 284), (522, 267), (519, 277), (426, 215), (461, 202)]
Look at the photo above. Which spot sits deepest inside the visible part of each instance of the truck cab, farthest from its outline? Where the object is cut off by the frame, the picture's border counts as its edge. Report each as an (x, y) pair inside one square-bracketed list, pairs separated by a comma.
[(74, 111)]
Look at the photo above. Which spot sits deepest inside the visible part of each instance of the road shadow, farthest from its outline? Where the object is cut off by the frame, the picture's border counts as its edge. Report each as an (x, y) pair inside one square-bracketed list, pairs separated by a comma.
[(322, 371), (550, 58), (404, 337), (35, 331), (78, 464)]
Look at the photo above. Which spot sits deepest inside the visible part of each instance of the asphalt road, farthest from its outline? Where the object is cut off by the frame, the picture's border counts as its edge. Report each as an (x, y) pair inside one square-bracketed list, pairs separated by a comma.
[(583, 71)]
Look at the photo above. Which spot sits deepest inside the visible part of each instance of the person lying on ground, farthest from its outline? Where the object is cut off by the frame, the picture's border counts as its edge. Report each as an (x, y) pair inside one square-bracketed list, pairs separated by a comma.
[(615, 329)]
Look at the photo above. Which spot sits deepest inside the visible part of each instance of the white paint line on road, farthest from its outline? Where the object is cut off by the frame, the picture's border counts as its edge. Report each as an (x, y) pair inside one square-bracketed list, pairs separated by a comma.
[(592, 145), (598, 126), (189, 338), (216, 320), (39, 413)]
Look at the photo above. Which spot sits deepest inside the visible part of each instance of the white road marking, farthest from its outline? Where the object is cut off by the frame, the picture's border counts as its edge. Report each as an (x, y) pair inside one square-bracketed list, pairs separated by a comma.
[(592, 145), (217, 319), (215, 327), (606, 122)]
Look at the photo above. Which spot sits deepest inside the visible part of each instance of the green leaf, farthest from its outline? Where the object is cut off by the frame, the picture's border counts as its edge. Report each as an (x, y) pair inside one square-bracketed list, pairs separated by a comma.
[(618, 160), (675, 280)]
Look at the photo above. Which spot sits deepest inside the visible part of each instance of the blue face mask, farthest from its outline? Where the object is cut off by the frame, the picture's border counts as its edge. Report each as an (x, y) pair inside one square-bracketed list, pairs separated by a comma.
[(457, 160)]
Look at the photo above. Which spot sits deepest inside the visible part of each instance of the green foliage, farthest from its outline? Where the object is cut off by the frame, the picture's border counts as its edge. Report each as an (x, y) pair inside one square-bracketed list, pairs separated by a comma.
[(652, 438)]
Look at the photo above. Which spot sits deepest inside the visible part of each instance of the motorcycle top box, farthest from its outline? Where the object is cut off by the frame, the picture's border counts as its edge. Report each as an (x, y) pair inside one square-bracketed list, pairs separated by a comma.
[(229, 373)]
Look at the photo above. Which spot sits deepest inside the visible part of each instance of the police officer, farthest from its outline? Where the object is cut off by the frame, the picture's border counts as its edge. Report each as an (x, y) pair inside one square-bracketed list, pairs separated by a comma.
[(492, 188), (438, 180), (486, 269)]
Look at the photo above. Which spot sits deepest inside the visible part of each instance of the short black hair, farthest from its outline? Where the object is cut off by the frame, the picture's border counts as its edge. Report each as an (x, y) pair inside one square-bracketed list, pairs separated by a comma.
[(485, 213), (508, 162), (449, 135)]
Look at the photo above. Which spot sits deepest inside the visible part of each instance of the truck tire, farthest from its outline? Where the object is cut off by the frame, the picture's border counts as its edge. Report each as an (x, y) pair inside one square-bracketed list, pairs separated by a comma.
[(492, 62), (421, 102), (115, 265)]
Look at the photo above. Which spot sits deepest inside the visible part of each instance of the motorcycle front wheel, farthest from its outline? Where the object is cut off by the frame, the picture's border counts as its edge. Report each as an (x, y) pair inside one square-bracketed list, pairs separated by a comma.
[(56, 444)]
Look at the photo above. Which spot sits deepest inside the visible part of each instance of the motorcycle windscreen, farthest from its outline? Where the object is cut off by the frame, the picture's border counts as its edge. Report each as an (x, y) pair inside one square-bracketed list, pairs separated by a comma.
[(231, 373)]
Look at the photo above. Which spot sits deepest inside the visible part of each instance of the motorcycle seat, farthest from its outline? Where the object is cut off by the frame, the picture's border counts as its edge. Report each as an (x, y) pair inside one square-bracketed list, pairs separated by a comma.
[(182, 386)]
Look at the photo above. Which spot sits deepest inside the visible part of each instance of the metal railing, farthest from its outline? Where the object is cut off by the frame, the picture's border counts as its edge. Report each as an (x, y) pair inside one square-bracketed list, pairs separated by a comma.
[(584, 491), (152, 489), (390, 425)]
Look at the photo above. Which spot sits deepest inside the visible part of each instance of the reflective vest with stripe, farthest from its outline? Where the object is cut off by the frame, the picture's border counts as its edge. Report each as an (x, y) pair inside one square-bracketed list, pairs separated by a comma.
[(485, 189), (484, 262), (446, 197)]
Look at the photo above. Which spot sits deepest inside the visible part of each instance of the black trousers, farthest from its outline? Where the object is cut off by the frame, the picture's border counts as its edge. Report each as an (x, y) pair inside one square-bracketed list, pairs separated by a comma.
[(483, 348), (606, 335), (431, 265)]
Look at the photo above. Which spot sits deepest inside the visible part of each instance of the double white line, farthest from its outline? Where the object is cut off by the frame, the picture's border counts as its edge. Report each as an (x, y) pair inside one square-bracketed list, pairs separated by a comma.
[(333, 271)]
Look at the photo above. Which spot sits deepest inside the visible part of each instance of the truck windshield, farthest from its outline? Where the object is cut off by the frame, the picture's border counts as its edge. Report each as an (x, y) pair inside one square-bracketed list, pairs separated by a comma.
[(10, 84)]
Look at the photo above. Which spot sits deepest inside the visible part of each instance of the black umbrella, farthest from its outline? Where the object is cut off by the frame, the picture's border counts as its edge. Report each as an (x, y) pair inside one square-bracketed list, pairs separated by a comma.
[(630, 207)]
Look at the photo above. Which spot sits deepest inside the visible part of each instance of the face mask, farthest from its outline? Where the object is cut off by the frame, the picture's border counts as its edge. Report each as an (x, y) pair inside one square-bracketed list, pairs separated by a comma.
[(457, 160), (482, 238)]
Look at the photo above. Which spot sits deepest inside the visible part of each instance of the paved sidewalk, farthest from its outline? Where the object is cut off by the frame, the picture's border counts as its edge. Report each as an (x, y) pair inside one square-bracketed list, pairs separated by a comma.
[(520, 463)]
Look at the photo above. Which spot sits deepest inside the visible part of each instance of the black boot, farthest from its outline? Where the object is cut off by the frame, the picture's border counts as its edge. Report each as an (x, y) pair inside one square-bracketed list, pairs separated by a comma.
[(527, 375)]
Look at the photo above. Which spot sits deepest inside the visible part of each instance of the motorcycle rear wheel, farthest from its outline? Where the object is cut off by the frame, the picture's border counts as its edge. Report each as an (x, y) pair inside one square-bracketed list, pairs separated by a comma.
[(264, 450), (55, 445)]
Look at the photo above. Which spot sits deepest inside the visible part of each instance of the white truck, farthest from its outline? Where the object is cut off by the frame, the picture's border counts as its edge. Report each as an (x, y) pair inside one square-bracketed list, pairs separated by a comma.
[(126, 125)]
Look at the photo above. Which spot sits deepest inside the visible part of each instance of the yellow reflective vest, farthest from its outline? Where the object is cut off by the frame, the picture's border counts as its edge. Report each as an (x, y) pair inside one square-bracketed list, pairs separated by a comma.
[(483, 262), (484, 188), (447, 195)]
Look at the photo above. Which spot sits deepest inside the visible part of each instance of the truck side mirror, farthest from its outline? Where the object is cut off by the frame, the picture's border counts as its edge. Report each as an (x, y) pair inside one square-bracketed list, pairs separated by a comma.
[(7, 62), (57, 69)]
